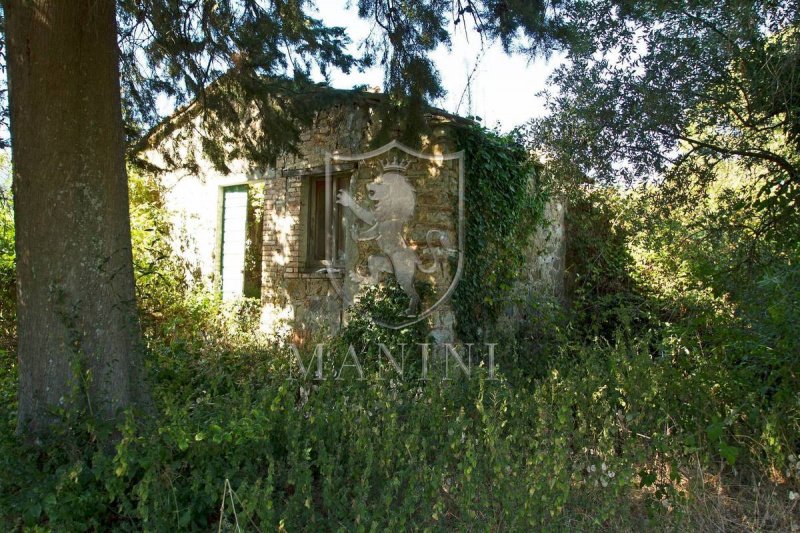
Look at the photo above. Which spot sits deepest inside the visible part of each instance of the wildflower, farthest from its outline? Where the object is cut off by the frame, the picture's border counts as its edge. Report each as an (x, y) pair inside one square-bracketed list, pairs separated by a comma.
[(793, 495)]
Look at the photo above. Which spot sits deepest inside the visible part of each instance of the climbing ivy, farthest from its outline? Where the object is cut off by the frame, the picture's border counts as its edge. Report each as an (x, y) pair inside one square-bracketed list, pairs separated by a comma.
[(503, 208)]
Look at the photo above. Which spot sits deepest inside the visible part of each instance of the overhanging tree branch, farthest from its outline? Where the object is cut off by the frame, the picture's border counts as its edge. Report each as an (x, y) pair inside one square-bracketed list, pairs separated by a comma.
[(754, 153)]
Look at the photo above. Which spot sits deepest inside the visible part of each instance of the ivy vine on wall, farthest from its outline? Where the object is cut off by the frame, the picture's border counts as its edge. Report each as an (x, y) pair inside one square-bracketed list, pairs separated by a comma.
[(504, 205)]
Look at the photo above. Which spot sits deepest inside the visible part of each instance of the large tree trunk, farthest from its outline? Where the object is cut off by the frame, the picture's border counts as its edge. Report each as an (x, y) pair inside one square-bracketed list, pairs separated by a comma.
[(79, 337)]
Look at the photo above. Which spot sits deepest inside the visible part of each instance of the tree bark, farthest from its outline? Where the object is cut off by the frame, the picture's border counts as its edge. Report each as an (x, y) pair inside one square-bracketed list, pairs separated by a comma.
[(79, 336)]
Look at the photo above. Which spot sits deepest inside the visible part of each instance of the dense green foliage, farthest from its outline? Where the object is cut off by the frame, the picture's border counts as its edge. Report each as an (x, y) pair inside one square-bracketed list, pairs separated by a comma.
[(664, 397), (505, 203), (673, 90), (386, 304), (669, 370)]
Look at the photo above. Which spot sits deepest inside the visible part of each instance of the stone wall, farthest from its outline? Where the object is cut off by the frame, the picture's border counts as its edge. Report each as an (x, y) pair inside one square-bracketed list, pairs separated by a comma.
[(544, 277)]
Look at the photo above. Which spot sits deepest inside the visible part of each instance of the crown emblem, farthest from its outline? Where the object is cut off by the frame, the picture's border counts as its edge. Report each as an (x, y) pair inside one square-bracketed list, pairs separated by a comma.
[(395, 165)]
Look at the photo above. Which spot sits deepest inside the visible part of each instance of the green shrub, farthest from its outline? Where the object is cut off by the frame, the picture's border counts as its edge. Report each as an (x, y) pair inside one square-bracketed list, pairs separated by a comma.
[(690, 285), (672, 367)]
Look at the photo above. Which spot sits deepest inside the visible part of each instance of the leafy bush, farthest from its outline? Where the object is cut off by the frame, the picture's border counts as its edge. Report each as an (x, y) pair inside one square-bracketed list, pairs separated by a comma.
[(606, 443), (600, 273), (395, 454), (668, 383), (712, 306)]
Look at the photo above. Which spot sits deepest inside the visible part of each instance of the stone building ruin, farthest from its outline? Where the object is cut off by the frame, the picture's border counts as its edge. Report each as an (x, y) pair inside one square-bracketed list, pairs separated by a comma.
[(261, 232)]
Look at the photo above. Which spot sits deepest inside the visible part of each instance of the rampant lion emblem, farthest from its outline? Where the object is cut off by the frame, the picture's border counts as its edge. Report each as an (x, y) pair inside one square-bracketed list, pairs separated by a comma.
[(395, 201)]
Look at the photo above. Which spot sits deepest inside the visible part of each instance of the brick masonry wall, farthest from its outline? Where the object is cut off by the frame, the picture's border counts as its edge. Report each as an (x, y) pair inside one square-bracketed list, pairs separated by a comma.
[(292, 290)]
